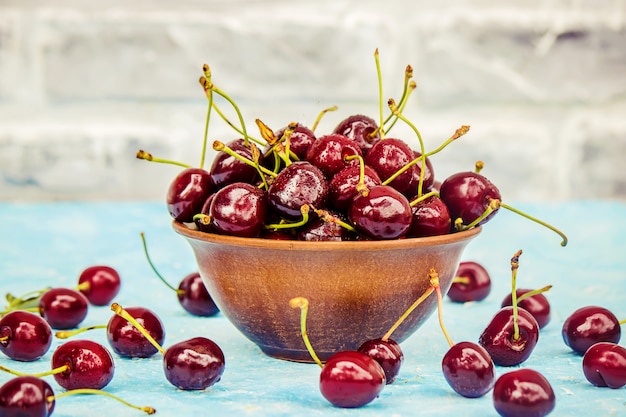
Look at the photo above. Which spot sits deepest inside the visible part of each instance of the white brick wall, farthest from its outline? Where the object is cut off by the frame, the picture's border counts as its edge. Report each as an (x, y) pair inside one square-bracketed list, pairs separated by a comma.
[(84, 85)]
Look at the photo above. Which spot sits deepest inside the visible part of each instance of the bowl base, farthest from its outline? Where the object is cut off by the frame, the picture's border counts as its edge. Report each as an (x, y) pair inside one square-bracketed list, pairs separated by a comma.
[(300, 356)]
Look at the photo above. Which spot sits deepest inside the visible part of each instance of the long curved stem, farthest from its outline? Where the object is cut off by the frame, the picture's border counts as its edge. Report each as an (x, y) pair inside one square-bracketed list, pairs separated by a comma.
[(154, 269), (407, 312), (541, 222), (303, 304), (514, 268), (146, 409)]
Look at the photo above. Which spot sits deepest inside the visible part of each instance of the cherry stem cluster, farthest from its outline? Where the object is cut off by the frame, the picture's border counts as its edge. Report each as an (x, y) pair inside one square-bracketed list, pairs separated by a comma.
[(303, 304), (119, 310)]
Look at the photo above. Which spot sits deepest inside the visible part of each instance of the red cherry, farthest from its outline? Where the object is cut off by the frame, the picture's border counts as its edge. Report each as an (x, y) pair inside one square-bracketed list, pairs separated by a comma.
[(24, 336), (469, 369), (89, 365), (471, 283), (430, 218), (298, 184), (387, 157), (361, 129), (468, 195), (63, 308), (239, 209), (194, 297), (589, 325), (342, 188), (604, 365), (187, 193), (194, 364), (523, 393), (328, 152), (100, 284), (26, 396), (382, 213), (227, 169), (537, 305), (387, 353), (129, 342), (351, 379)]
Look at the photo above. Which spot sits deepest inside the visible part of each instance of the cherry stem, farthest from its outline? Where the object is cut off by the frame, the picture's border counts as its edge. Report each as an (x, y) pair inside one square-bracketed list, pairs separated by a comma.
[(408, 311), (533, 292), (360, 186), (117, 309), (59, 370), (221, 147), (622, 322), (232, 125), (329, 218), (394, 109), (66, 334), (154, 269), (209, 96), (303, 304), (434, 282), (494, 204), (379, 76), (205, 219), (423, 197), (514, 300), (478, 166), (27, 300), (320, 115), (408, 74), (461, 280), (141, 154), (554, 229), (402, 105), (304, 209), (90, 391)]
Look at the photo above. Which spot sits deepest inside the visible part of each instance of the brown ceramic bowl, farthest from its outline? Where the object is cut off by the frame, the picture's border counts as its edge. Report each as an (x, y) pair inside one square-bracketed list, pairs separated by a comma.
[(356, 290)]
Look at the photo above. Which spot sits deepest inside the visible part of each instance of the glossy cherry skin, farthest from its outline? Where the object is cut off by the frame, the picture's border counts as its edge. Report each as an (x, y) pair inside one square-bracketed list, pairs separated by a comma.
[(100, 284), (478, 286), (26, 396), (127, 341), (351, 379), (429, 175), (589, 325), (319, 230), (468, 195), (194, 364), (604, 365), (194, 297), (187, 193), (328, 152), (206, 207), (469, 369), (497, 338), (342, 188), (24, 336), (387, 353), (388, 156), (239, 209), (227, 169), (300, 140), (296, 185), (523, 393), (384, 213), (90, 365), (537, 305), (361, 129), (63, 308), (430, 218)]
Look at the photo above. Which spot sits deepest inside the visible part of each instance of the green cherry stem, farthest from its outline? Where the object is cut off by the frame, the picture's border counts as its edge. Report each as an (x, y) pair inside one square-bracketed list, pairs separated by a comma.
[(141, 154), (59, 370), (379, 76), (320, 115), (117, 309), (221, 147), (153, 267), (407, 312), (304, 209), (232, 125), (494, 204), (303, 304), (329, 218), (90, 391), (66, 334), (622, 322), (461, 280), (514, 268), (533, 292), (434, 282), (361, 188), (554, 229), (423, 197)]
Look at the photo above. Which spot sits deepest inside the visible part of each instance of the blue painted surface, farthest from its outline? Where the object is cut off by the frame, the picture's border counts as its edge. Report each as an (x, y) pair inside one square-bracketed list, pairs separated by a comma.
[(49, 245)]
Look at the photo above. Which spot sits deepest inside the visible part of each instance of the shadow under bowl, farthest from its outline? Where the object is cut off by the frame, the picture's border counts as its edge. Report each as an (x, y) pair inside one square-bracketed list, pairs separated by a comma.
[(356, 290)]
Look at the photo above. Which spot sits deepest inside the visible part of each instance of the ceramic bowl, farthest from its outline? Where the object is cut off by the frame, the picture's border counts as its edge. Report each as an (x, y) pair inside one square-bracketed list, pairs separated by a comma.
[(356, 290)]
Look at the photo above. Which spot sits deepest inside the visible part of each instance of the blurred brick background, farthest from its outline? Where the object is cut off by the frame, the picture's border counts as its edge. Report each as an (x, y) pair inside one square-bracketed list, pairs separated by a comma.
[(84, 85)]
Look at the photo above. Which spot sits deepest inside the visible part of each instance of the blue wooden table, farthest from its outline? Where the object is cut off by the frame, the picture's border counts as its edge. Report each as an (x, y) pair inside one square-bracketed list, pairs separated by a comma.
[(48, 244)]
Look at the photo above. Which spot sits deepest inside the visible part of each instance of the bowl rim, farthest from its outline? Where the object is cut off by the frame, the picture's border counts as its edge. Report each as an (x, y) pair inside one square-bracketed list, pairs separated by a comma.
[(190, 231)]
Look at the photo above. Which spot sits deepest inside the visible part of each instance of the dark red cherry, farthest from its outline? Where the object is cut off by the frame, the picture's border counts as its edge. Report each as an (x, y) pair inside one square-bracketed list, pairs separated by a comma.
[(342, 188), (589, 325), (26, 396), (430, 218), (206, 227), (537, 305), (387, 353), (319, 230), (227, 169), (387, 157), (100, 284), (523, 393), (300, 140), (187, 193), (604, 365), (351, 379), (89, 365), (63, 308), (471, 283), (194, 297), (429, 175), (296, 185), (328, 152), (194, 364), (498, 337), (127, 341), (24, 336), (469, 369), (239, 209), (382, 213), (361, 129), (468, 195)]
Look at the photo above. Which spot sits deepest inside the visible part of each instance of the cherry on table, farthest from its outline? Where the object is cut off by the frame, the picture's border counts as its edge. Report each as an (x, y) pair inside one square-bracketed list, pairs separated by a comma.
[(471, 282), (589, 325), (63, 308), (604, 365), (24, 336), (387, 353), (84, 364), (100, 284), (522, 393), (469, 369), (127, 341)]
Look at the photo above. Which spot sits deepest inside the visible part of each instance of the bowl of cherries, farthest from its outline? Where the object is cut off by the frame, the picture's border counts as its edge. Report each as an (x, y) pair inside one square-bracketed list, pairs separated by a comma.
[(352, 219)]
